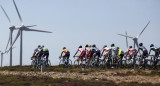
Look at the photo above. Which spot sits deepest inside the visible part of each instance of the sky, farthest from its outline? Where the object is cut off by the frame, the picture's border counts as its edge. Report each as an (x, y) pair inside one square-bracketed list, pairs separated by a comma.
[(78, 22)]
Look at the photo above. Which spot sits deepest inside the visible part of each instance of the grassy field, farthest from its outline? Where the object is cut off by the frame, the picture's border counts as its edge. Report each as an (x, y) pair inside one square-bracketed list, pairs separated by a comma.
[(93, 77), (12, 80)]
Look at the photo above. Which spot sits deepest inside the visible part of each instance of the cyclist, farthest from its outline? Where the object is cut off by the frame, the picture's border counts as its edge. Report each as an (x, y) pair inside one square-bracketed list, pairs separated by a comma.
[(40, 55), (36, 53), (46, 54), (82, 53), (95, 51), (132, 52), (107, 50), (144, 52), (66, 55), (114, 53), (156, 55), (120, 55), (88, 51)]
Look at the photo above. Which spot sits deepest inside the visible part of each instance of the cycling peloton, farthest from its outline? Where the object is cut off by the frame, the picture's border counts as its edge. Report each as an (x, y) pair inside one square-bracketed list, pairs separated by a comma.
[(156, 55)]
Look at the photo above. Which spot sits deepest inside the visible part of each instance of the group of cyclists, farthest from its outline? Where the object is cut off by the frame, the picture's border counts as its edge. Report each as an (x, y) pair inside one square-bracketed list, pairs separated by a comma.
[(40, 53), (113, 52)]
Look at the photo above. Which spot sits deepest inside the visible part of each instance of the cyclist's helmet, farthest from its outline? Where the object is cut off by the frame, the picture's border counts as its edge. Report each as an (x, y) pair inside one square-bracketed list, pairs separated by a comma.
[(130, 46), (112, 45), (80, 46), (93, 45), (104, 46), (140, 44), (151, 45), (39, 46), (117, 47), (42, 46), (86, 45), (64, 48)]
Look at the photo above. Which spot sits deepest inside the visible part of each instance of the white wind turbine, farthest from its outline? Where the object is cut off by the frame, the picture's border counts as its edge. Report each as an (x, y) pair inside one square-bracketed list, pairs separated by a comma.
[(12, 28), (135, 39), (2, 53), (21, 29)]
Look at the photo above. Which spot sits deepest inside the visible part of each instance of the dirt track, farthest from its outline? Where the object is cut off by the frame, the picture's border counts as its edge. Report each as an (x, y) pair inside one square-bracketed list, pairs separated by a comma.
[(109, 75)]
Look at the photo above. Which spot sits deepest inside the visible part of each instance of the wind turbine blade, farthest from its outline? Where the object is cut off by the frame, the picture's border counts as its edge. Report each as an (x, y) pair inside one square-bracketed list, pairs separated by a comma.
[(8, 40), (7, 16), (37, 30), (18, 13), (143, 29), (18, 34), (31, 26), (126, 36), (126, 41)]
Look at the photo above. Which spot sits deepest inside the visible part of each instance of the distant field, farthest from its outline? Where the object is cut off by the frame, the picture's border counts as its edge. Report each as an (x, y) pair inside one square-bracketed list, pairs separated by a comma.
[(59, 76)]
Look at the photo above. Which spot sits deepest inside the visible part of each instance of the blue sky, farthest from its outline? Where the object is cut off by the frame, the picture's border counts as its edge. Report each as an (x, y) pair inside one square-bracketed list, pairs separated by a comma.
[(79, 22)]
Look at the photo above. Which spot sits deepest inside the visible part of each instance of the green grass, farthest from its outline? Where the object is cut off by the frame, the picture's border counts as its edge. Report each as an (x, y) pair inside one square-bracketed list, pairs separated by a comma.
[(12, 80)]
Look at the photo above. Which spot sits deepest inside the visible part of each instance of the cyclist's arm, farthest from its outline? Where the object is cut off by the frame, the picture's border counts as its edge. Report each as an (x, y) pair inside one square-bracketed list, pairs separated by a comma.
[(61, 53), (75, 53), (126, 54), (149, 52), (102, 52), (137, 52)]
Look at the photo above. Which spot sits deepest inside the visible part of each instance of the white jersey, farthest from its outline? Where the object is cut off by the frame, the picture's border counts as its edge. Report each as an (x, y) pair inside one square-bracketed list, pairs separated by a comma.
[(107, 50), (81, 49), (88, 49)]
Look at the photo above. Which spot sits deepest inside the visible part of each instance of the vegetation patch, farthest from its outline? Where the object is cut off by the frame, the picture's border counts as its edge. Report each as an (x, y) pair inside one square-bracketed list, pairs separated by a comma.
[(12, 80)]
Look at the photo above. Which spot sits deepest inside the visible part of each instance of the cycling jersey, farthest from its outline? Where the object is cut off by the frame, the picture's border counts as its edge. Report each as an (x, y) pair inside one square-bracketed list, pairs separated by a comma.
[(45, 49), (87, 49), (107, 50), (132, 51), (95, 49), (120, 51), (81, 49), (144, 50), (156, 50), (65, 51), (37, 50)]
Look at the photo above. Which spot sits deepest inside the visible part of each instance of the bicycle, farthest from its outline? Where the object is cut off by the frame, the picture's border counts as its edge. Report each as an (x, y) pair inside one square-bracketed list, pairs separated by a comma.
[(64, 61), (34, 61), (80, 63)]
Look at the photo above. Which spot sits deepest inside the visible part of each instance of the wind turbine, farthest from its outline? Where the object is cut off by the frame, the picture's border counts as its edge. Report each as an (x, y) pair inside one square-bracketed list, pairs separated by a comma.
[(22, 28), (135, 39), (12, 28), (126, 41), (2, 53)]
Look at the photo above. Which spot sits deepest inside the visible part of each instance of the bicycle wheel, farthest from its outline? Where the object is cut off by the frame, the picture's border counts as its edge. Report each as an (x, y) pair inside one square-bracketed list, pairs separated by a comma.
[(70, 63), (33, 64), (49, 62), (100, 64)]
